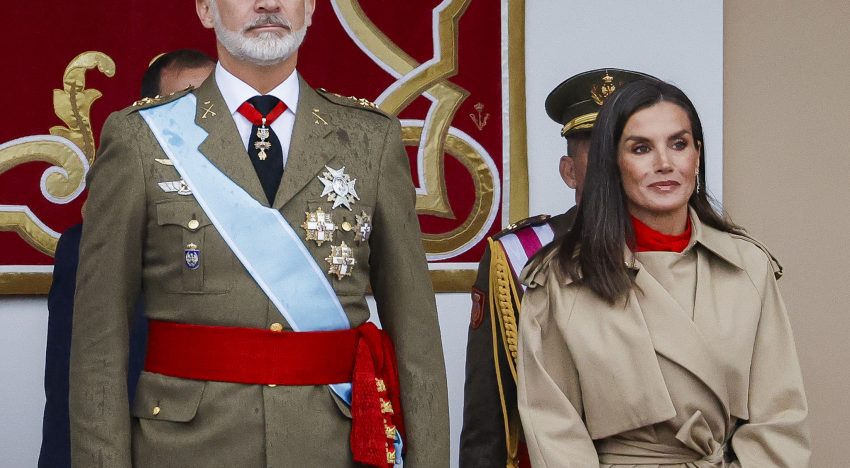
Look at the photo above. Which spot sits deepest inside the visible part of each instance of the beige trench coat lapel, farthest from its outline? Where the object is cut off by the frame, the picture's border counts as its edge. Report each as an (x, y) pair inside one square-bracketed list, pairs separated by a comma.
[(306, 160), (675, 336), (223, 145)]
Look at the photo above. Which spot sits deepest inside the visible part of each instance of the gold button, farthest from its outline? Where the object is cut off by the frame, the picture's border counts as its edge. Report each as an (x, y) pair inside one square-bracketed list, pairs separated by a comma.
[(276, 327), (156, 410), (346, 226), (194, 224)]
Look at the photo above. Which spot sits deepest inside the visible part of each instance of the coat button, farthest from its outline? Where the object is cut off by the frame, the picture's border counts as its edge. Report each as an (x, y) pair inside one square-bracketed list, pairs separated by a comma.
[(276, 327), (156, 410), (194, 224)]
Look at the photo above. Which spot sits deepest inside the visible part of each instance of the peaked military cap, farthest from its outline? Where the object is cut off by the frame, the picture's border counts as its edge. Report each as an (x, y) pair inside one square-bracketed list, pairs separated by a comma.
[(576, 101)]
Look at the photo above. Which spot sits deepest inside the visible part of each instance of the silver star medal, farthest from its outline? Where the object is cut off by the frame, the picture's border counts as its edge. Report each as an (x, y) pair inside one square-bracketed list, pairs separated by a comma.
[(339, 187), (320, 226)]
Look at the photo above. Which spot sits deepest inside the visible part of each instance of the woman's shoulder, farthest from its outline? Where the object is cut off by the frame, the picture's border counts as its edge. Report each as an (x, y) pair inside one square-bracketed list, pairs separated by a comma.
[(544, 267), (742, 249)]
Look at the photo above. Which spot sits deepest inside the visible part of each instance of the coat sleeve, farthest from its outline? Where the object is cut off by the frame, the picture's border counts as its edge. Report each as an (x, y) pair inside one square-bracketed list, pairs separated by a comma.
[(776, 433), (108, 284), (482, 439), (406, 305), (549, 396)]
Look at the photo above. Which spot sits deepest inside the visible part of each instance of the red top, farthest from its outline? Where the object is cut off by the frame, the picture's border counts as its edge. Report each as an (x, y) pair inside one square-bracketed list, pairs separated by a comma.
[(256, 118), (650, 240)]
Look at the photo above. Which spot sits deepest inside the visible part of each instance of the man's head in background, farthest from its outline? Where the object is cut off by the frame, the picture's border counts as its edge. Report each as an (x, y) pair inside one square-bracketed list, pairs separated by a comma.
[(174, 71), (574, 104)]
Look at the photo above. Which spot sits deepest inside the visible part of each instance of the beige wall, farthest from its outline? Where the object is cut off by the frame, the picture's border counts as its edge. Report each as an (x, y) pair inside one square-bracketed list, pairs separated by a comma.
[(787, 179)]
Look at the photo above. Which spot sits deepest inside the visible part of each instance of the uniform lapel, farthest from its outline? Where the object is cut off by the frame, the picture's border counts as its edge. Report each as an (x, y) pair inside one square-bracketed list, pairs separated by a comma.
[(676, 337), (223, 146), (307, 155)]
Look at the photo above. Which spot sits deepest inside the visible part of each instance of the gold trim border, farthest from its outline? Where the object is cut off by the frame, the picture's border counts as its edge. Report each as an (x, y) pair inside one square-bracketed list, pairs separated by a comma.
[(446, 281), (25, 283), (516, 93)]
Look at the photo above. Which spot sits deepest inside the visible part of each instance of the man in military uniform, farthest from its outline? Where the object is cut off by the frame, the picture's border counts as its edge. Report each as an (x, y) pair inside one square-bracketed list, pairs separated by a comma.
[(491, 435), (253, 213)]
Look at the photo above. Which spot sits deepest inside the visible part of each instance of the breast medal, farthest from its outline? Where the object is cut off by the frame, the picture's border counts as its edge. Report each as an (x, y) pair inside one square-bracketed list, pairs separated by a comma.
[(192, 256), (338, 187), (320, 226), (363, 229), (179, 186), (341, 261)]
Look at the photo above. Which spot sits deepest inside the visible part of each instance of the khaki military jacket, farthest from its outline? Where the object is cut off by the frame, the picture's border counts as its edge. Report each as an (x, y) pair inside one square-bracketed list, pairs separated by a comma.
[(642, 383), (491, 426), (133, 243)]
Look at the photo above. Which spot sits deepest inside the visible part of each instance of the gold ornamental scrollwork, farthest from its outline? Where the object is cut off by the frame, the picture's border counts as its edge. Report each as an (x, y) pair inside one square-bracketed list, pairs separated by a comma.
[(70, 150), (434, 136)]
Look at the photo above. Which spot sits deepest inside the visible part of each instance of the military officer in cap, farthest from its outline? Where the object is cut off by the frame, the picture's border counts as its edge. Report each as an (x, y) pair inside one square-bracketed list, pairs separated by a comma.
[(253, 213), (491, 435)]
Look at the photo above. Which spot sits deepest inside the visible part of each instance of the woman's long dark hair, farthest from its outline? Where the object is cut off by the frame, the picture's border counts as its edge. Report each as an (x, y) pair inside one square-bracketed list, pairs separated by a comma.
[(593, 249)]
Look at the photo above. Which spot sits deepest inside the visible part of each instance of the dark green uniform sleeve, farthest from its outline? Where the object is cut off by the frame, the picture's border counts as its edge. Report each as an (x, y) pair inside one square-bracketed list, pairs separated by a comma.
[(482, 439)]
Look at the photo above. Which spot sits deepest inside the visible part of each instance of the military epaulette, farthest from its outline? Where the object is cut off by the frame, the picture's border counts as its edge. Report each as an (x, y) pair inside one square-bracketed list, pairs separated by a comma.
[(523, 223), (157, 100), (350, 101)]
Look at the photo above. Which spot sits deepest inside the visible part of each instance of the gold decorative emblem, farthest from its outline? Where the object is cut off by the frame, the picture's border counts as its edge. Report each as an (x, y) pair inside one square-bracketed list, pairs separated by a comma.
[(391, 456), (320, 226), (600, 93), (363, 229), (147, 100), (381, 386), (164, 162), (341, 261), (208, 110), (69, 150), (339, 187), (479, 120), (319, 118), (390, 431), (386, 406)]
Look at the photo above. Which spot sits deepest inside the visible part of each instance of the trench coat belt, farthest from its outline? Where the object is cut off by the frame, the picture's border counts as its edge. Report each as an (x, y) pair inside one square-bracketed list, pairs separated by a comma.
[(363, 356), (699, 448)]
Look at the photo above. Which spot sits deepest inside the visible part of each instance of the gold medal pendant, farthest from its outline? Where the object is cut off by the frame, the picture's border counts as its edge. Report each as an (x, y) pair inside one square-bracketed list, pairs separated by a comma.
[(263, 145)]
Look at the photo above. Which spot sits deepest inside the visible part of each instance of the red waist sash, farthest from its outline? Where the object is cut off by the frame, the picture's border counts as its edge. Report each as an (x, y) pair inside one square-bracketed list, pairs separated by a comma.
[(363, 356)]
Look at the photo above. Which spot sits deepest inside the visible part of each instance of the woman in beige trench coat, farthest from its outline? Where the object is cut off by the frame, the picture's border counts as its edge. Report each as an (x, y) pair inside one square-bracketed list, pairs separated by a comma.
[(654, 333)]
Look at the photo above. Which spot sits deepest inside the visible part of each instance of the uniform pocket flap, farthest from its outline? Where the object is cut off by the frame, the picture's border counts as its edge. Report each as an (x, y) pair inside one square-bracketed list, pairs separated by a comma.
[(181, 213), (167, 398)]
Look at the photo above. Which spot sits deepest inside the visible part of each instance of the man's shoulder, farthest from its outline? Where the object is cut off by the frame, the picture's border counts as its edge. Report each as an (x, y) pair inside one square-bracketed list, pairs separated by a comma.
[(362, 107), (522, 225), (149, 102)]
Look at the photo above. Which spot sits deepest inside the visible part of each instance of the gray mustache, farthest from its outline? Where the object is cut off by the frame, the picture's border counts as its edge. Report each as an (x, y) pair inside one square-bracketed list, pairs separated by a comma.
[(266, 20)]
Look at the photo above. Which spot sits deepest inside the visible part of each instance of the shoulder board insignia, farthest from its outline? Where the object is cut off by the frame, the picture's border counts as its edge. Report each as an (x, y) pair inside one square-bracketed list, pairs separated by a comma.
[(148, 101), (349, 99), (523, 223)]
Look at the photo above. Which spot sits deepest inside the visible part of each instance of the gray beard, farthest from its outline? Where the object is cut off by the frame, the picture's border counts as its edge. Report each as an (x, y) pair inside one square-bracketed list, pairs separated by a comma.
[(266, 49)]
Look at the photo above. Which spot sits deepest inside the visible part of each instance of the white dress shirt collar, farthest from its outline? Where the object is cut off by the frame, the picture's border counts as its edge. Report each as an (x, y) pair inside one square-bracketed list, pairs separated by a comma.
[(235, 91)]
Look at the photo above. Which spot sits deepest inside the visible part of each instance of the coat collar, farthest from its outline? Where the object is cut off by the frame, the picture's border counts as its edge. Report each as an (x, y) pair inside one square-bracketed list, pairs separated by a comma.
[(223, 145)]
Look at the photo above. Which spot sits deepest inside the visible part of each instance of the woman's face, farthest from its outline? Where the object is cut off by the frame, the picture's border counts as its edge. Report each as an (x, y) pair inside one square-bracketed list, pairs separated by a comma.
[(658, 161)]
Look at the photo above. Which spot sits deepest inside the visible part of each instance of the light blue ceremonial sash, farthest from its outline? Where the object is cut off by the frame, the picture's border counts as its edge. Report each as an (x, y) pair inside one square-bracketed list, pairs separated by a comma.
[(259, 236)]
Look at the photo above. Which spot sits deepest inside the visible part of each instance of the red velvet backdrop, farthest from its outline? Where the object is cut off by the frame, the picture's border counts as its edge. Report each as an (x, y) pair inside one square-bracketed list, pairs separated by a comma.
[(42, 39)]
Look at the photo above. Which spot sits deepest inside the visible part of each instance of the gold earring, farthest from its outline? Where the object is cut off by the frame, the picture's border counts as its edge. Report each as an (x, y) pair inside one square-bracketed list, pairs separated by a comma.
[(697, 181)]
